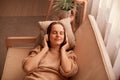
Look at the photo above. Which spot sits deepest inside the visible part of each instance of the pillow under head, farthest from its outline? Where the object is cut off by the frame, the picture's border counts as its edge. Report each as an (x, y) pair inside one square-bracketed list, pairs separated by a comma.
[(67, 24)]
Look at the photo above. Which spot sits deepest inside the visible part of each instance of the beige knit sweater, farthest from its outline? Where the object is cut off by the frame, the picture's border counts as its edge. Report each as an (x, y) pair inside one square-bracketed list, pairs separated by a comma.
[(50, 69)]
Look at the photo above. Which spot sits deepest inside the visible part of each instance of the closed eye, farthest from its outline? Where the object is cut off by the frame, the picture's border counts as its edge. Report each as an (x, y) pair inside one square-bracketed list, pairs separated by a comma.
[(61, 33), (54, 32)]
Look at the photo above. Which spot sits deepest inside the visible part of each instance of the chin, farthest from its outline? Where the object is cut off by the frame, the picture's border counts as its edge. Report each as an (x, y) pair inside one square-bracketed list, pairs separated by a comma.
[(58, 43)]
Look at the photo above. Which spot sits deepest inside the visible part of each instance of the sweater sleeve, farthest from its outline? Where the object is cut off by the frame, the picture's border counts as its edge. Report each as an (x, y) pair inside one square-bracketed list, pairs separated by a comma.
[(74, 67), (32, 53)]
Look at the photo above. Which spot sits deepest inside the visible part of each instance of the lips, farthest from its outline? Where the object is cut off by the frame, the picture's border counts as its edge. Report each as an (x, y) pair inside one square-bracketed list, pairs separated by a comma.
[(57, 39)]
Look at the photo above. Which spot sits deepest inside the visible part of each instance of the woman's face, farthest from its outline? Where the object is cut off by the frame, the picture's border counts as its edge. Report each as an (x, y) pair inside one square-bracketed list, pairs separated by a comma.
[(57, 35)]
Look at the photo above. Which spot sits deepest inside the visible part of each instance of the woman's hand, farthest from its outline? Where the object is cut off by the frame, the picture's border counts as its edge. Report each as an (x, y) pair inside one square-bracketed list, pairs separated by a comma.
[(45, 44), (66, 45)]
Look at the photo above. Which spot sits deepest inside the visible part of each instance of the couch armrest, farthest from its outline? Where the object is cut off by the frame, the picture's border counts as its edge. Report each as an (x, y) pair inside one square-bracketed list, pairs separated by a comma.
[(11, 41), (103, 51)]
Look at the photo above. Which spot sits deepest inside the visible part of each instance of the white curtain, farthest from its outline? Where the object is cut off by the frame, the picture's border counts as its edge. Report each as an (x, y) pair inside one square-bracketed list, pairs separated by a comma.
[(107, 14), (116, 66), (95, 6)]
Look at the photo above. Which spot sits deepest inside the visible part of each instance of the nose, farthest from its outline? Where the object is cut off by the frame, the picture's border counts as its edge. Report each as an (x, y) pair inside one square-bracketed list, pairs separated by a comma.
[(58, 34)]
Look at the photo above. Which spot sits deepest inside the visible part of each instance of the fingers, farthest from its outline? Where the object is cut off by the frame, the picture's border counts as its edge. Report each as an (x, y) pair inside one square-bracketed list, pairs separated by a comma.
[(46, 37), (45, 41), (66, 38), (66, 45)]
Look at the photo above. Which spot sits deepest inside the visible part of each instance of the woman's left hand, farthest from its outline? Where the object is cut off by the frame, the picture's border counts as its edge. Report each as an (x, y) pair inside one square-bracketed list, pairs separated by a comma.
[(66, 45)]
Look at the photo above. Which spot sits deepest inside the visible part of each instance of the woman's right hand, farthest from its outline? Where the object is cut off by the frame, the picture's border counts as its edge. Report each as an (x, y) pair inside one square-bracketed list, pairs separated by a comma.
[(45, 44)]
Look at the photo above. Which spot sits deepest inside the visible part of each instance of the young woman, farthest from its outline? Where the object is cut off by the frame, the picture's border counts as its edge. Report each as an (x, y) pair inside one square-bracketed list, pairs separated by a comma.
[(52, 61)]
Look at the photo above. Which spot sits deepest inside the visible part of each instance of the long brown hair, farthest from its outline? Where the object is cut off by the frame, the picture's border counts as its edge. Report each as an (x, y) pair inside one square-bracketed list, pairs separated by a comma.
[(49, 30)]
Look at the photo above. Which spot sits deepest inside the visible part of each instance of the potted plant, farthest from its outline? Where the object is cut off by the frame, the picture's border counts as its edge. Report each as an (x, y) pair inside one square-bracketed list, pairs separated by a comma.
[(63, 8)]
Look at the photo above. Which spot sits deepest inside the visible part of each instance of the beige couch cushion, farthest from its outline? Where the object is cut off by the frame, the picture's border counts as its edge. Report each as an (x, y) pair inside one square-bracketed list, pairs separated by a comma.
[(90, 61), (13, 64)]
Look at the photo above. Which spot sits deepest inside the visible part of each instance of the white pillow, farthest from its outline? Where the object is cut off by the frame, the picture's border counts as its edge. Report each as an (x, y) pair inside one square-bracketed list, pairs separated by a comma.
[(67, 23)]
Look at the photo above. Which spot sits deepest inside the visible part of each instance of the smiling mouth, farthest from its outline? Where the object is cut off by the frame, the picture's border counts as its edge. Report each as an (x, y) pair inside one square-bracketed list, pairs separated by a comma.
[(57, 39)]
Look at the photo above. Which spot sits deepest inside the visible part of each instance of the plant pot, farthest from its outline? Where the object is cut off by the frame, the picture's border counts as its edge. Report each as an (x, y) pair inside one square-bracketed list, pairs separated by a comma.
[(60, 14)]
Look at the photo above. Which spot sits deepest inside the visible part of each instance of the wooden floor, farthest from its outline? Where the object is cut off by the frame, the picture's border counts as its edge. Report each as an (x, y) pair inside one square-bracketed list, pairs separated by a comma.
[(23, 7)]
